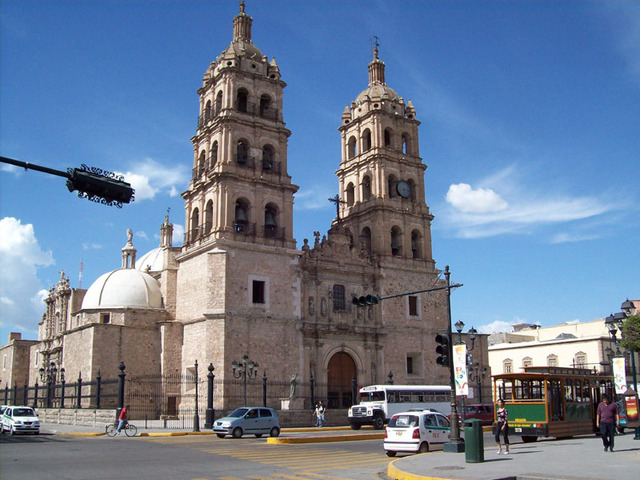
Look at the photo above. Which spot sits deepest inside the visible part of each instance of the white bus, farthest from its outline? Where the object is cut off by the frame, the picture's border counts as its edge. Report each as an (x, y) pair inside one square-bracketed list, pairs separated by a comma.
[(378, 403)]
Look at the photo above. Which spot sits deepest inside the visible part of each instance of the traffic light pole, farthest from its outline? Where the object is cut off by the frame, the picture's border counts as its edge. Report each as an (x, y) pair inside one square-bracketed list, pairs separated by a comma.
[(455, 444)]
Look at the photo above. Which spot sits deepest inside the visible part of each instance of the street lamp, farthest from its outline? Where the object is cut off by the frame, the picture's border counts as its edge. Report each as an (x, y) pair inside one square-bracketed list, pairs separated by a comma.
[(49, 375), (245, 369), (478, 376)]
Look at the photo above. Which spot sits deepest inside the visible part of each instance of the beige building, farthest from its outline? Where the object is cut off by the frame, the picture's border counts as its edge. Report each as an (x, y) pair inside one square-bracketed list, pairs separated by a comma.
[(239, 284), (586, 345)]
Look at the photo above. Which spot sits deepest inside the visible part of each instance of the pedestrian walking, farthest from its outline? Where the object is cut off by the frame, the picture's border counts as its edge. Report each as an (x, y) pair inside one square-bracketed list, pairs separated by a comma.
[(502, 427), (319, 413), (607, 419)]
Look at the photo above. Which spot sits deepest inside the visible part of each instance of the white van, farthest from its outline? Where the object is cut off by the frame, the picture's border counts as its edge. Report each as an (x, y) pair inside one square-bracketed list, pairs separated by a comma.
[(416, 431)]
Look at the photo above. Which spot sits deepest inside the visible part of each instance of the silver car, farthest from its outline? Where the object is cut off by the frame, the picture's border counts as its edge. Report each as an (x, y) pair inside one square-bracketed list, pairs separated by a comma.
[(251, 420)]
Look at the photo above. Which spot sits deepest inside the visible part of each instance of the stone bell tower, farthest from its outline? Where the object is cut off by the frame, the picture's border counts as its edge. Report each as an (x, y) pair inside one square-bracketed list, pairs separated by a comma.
[(240, 189), (381, 175)]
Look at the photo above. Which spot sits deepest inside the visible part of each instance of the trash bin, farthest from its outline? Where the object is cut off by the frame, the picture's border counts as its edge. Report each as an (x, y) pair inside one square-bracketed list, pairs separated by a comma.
[(474, 441)]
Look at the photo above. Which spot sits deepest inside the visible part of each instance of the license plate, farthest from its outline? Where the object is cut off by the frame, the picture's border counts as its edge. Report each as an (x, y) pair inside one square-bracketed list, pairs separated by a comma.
[(518, 430)]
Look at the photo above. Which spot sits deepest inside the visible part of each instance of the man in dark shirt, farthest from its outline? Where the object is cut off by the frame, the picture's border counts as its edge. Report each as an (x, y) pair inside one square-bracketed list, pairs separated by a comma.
[(607, 419)]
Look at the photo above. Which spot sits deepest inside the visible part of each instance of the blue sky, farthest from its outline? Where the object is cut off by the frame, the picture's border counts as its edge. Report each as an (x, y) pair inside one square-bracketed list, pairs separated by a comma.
[(530, 118)]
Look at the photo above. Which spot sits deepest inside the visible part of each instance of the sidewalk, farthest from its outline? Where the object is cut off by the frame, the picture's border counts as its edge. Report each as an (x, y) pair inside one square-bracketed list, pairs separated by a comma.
[(575, 459)]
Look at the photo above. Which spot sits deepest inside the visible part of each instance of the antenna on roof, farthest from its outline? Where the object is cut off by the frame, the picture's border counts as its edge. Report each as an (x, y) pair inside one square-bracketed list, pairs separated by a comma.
[(374, 45)]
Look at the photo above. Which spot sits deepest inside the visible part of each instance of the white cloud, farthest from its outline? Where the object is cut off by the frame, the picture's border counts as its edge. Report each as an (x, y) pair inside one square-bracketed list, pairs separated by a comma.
[(150, 178), (480, 200), (178, 234), (624, 20), (92, 246), (500, 205), (495, 327), (21, 293)]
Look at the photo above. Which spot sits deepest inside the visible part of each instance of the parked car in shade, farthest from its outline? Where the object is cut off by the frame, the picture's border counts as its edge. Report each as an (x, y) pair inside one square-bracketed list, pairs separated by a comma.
[(415, 431), (20, 420), (480, 411), (250, 420)]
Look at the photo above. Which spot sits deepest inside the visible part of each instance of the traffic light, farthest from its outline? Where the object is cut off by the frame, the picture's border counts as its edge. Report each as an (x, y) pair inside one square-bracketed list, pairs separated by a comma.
[(112, 190), (442, 349), (365, 300)]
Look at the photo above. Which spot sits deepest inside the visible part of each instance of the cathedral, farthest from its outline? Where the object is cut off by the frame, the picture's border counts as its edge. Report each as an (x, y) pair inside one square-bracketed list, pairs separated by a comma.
[(239, 284)]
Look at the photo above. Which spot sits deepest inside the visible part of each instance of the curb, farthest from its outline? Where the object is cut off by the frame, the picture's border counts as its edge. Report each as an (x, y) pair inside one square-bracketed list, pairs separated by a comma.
[(395, 473)]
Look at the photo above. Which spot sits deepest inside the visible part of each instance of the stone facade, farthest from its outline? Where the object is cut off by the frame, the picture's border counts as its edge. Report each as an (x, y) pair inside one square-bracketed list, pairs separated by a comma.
[(238, 284)]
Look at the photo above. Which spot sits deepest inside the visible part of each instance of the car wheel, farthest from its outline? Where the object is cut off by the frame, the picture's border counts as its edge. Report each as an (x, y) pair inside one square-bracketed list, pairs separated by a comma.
[(11, 432), (355, 426), (424, 447), (378, 422), (237, 432), (391, 453), (275, 431), (220, 435)]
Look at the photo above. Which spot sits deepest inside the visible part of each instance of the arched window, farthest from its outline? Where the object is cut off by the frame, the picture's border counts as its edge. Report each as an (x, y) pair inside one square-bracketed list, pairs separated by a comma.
[(366, 188), (416, 244), (406, 144), (271, 221), (352, 147), (218, 103), (507, 366), (396, 242), (208, 113), (202, 162), (366, 140), (265, 106), (527, 362), (195, 224), (213, 156), (387, 138), (208, 217), (241, 220), (242, 100), (268, 158), (365, 239), (552, 360), (242, 152), (580, 360), (350, 194), (391, 185)]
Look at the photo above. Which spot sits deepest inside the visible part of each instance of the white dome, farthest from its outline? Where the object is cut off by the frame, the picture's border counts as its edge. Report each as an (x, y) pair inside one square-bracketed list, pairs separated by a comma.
[(125, 287), (153, 259)]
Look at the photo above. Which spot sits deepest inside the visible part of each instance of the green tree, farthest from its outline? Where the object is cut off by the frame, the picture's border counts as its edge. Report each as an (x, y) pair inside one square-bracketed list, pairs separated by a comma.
[(631, 333)]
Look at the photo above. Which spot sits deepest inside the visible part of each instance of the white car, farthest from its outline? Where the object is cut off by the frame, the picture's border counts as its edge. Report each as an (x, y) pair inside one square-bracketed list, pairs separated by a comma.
[(20, 420), (415, 431)]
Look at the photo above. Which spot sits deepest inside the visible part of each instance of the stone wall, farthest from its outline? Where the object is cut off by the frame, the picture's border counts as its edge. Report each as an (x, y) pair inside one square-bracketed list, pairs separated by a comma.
[(71, 416)]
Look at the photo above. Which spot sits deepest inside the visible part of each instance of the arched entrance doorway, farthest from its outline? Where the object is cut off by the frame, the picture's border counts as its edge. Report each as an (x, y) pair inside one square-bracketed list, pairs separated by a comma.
[(340, 375)]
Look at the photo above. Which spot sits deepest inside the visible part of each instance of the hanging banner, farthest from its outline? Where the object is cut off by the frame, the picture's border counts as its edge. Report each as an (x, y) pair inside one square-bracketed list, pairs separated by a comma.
[(619, 375), (460, 369)]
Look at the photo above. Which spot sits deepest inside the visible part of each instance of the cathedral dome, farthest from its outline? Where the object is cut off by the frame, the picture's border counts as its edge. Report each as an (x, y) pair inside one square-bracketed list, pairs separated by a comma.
[(377, 92), (152, 261), (125, 287)]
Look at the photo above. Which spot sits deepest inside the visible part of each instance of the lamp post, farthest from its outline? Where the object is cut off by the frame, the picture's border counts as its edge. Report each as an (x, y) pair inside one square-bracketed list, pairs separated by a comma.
[(245, 369), (455, 444), (627, 308), (48, 375), (476, 375), (472, 336)]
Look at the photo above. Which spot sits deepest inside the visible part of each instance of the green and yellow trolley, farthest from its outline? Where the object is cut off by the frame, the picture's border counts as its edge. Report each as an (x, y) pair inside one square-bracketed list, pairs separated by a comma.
[(551, 401)]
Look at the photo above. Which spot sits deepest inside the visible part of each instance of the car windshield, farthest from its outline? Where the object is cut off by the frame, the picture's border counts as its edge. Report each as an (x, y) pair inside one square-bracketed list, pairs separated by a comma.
[(403, 421), (23, 412), (239, 412)]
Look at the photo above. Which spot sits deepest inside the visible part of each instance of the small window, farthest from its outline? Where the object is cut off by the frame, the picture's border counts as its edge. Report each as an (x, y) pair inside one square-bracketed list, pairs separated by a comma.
[(258, 291), (413, 306), (105, 318), (338, 298), (410, 365)]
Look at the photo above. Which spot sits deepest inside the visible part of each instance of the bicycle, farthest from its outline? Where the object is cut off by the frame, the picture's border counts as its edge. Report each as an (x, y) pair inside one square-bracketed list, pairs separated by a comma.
[(129, 429)]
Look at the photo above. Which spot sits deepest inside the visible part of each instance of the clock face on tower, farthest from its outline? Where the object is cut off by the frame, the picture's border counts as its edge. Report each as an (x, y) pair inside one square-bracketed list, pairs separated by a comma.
[(403, 189)]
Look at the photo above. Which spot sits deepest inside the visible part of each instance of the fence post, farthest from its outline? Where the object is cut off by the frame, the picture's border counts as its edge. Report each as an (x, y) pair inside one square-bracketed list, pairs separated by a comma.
[(311, 388), (25, 394), (121, 377), (6, 393), (209, 416), (264, 389), (35, 395), (98, 385), (354, 390), (196, 416), (14, 399), (79, 390), (62, 381)]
